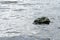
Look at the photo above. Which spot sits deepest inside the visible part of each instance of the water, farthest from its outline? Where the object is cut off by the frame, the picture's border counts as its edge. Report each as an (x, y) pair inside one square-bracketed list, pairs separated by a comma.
[(16, 20)]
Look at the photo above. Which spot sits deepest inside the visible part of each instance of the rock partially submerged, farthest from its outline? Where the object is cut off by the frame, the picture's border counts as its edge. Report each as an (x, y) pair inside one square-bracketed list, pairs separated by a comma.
[(42, 20)]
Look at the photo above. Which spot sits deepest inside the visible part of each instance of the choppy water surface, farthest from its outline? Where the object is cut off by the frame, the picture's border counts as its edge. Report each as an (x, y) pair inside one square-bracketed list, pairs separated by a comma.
[(16, 18)]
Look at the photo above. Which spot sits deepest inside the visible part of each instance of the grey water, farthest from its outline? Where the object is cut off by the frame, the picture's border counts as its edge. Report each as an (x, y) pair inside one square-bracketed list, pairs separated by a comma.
[(16, 19)]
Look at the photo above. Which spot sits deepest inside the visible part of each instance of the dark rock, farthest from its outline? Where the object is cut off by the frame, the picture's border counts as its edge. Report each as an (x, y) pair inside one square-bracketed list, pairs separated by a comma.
[(42, 20)]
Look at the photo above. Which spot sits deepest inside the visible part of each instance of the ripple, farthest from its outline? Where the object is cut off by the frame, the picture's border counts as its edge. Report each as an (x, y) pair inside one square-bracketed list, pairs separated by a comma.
[(5, 18), (8, 2), (13, 32), (23, 37), (19, 9)]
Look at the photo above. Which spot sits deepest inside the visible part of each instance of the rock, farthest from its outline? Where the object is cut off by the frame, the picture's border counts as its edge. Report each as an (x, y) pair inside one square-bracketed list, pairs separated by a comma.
[(42, 20)]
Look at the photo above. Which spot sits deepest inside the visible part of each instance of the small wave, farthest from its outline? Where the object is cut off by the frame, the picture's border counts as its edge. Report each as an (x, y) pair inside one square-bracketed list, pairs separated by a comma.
[(23, 37), (13, 32), (19, 9), (8, 2)]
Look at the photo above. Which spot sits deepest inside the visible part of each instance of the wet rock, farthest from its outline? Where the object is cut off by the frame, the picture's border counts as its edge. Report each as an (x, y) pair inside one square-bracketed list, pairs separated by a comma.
[(42, 20)]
